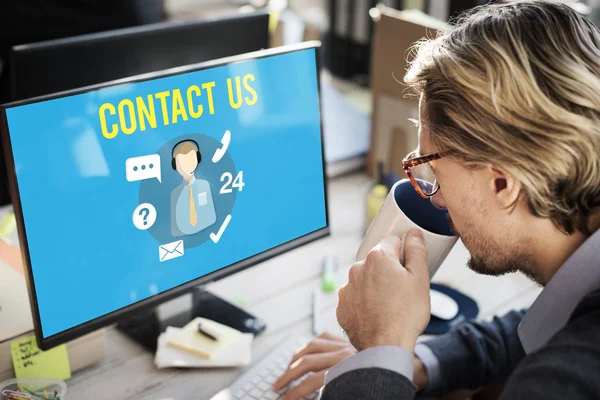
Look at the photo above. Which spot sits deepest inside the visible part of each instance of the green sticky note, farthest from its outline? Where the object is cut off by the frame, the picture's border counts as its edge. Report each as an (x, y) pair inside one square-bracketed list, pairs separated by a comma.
[(31, 362), (240, 302)]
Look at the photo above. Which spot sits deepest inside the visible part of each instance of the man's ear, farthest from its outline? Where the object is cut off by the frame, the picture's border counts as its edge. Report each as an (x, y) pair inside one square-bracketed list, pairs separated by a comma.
[(504, 186)]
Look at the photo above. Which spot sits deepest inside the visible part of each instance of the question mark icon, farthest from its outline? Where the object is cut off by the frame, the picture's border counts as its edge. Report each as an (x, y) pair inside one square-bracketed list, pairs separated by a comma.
[(144, 216)]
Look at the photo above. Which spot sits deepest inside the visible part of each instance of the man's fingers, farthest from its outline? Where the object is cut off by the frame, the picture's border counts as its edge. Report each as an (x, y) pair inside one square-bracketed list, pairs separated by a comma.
[(304, 365), (309, 385), (319, 345), (415, 253), (331, 336), (390, 245)]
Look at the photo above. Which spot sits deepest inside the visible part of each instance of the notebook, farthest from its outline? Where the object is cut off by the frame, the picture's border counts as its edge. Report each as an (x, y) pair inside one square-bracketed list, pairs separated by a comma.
[(190, 340), (238, 354)]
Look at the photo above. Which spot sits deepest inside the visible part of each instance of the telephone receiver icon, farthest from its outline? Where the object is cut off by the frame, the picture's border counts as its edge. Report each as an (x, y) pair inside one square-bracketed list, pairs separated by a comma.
[(219, 153)]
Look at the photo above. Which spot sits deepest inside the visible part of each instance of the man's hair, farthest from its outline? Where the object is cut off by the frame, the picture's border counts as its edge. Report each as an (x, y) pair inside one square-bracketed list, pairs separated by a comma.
[(517, 86), (185, 148)]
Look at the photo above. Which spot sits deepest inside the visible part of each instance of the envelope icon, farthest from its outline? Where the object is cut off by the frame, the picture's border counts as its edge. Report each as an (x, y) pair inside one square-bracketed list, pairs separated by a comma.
[(170, 250)]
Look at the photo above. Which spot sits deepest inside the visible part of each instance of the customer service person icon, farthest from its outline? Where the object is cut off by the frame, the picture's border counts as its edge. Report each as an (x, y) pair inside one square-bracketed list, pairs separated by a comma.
[(192, 206)]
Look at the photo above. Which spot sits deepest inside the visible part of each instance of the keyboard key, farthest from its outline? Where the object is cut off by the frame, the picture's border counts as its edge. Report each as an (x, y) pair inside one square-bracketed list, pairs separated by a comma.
[(257, 394), (271, 379), (240, 394), (271, 396), (264, 373), (264, 386), (272, 366), (248, 387), (256, 380)]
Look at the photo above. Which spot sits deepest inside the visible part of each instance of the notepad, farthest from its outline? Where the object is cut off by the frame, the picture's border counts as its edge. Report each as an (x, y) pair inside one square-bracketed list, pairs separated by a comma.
[(190, 340), (238, 354), (31, 362)]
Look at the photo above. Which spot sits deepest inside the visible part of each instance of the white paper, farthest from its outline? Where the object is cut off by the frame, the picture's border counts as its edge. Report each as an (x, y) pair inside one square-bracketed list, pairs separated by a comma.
[(238, 354)]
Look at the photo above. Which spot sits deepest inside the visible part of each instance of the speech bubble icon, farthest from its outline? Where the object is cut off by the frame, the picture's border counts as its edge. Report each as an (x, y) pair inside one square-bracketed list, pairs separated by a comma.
[(143, 167)]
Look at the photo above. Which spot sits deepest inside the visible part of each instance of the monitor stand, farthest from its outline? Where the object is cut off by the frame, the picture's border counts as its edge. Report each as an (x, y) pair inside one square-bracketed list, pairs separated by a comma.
[(146, 326)]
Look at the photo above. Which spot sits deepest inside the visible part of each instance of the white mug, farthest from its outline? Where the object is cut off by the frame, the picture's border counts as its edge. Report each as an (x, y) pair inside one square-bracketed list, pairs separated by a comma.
[(403, 210)]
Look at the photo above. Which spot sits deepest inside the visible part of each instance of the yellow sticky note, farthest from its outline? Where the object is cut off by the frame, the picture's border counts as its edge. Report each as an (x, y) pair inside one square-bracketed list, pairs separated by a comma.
[(31, 362), (8, 224), (273, 21)]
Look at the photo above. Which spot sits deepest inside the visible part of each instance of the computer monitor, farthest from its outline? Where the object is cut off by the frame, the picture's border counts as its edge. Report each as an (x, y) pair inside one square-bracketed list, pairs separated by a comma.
[(63, 64), (130, 193), (57, 65)]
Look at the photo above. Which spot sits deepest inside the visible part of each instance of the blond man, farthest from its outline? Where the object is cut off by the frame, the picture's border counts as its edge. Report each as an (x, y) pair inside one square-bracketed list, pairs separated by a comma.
[(509, 136)]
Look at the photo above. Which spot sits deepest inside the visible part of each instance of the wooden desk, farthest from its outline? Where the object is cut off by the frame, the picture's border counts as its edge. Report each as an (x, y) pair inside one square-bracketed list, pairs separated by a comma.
[(279, 291)]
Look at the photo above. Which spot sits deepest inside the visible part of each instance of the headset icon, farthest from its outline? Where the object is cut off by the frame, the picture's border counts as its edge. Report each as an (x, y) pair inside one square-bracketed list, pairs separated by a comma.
[(198, 155)]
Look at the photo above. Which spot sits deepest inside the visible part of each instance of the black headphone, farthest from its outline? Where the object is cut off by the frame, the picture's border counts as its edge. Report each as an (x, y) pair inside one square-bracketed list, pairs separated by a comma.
[(198, 156)]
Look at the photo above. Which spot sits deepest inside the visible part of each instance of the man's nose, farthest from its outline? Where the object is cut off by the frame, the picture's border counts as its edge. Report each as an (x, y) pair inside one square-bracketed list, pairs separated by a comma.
[(438, 200)]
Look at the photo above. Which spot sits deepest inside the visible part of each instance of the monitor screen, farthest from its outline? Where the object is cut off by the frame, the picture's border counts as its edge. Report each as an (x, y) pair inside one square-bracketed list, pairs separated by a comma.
[(133, 190)]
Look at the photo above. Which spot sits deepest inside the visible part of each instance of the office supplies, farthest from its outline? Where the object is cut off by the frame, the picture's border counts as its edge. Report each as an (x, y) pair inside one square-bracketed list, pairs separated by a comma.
[(316, 311), (31, 362), (188, 338), (286, 151), (33, 389), (207, 331), (329, 274), (236, 355), (257, 382)]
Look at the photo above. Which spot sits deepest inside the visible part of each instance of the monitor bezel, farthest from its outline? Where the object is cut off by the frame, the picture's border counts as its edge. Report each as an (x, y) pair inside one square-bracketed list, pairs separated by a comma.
[(108, 319), (20, 53)]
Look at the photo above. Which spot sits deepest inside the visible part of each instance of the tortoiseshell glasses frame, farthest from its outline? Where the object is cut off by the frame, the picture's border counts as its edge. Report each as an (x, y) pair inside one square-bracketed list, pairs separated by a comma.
[(410, 161)]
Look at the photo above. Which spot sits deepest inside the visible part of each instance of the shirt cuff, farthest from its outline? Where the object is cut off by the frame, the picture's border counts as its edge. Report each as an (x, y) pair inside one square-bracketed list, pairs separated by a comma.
[(393, 358), (432, 365)]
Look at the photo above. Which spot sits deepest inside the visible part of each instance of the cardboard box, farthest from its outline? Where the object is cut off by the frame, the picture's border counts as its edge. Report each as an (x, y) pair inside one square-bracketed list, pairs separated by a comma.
[(395, 32), (287, 28)]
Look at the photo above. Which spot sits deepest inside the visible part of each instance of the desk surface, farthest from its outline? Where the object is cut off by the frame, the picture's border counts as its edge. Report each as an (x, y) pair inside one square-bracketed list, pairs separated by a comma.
[(284, 301)]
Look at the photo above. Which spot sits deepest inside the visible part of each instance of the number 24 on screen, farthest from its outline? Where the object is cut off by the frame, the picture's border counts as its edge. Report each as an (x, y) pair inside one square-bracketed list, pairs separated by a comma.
[(238, 182)]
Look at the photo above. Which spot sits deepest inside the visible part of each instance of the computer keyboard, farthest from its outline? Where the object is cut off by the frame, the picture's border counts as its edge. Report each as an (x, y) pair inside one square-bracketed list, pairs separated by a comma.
[(257, 382)]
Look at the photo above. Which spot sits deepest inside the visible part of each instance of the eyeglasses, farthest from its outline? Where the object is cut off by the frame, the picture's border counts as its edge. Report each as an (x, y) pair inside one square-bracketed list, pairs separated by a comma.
[(421, 173)]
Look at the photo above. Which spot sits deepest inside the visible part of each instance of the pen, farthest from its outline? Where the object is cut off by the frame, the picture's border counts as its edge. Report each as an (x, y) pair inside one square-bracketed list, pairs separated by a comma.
[(315, 312), (208, 332)]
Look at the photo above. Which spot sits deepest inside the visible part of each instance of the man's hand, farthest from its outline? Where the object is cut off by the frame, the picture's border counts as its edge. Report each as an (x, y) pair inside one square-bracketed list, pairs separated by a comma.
[(385, 303), (318, 356)]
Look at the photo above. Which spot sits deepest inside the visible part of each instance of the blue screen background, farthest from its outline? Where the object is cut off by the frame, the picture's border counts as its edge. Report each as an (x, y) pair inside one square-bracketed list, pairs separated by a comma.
[(87, 257)]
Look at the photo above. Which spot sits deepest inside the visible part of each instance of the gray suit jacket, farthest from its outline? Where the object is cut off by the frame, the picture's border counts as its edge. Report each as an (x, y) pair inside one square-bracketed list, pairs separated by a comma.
[(479, 354)]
